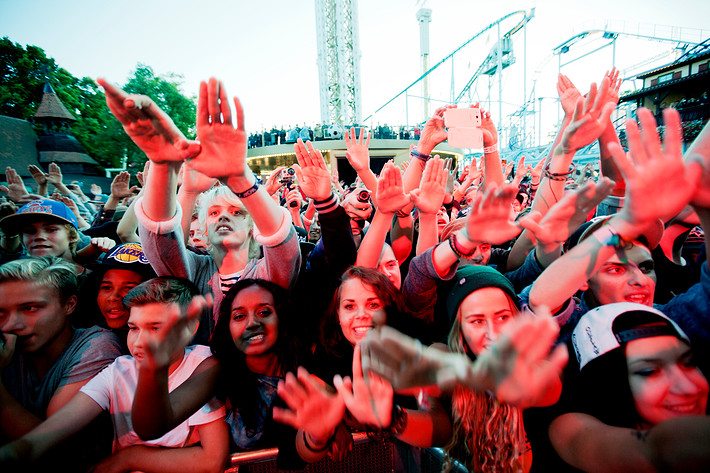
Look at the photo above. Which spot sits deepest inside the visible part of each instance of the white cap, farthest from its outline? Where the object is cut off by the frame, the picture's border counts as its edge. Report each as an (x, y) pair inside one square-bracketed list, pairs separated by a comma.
[(596, 335)]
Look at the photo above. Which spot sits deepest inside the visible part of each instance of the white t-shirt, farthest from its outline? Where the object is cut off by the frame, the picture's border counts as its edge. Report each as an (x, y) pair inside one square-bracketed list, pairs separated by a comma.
[(114, 389)]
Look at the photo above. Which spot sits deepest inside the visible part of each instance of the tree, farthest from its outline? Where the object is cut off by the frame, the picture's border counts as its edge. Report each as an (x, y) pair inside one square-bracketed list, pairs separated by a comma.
[(165, 90), (24, 71)]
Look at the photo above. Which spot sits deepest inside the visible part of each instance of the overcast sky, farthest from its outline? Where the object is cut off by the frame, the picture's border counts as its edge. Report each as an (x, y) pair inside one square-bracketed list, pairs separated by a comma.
[(266, 51)]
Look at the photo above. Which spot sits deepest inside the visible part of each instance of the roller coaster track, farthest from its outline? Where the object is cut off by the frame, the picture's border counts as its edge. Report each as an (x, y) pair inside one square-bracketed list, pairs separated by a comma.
[(516, 28)]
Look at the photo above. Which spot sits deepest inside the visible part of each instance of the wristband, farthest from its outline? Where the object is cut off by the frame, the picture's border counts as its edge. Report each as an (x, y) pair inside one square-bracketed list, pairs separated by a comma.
[(418, 155), (453, 242), (607, 236), (490, 149), (248, 192)]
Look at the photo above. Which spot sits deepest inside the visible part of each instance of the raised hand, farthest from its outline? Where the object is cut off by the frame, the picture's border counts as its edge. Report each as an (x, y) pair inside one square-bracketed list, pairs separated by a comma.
[(429, 196), (659, 184), (521, 170), (523, 367), (588, 121), (68, 202), (406, 364), (491, 218), (354, 208), (54, 174), (224, 147), (96, 189), (568, 93), (174, 333), (120, 187), (508, 170), (473, 173), (312, 407), (293, 198), (15, 188), (390, 194), (272, 184), (369, 401), (357, 149), (571, 211), (151, 129), (312, 174), (38, 175), (490, 134), (434, 131), (611, 94)]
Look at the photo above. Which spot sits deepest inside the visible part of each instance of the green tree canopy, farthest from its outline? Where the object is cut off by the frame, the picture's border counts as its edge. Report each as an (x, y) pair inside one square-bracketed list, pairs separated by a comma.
[(165, 90), (24, 71)]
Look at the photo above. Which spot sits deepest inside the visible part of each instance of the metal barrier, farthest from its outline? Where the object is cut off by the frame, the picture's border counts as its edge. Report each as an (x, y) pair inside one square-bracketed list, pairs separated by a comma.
[(369, 455)]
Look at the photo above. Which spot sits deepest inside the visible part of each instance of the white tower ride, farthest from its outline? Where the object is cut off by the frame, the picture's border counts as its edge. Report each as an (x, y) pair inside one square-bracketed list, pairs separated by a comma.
[(424, 18), (338, 62)]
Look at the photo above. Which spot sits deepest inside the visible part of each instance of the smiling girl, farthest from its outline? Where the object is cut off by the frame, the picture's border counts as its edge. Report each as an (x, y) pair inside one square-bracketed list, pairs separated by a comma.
[(256, 348), (365, 298), (636, 372)]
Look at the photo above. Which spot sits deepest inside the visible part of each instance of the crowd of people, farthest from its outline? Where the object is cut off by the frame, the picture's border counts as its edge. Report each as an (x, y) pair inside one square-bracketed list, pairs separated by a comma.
[(279, 136), (520, 318)]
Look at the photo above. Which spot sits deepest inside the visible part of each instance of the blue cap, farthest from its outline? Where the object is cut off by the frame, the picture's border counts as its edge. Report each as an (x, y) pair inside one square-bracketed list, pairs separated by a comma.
[(99, 199), (34, 211)]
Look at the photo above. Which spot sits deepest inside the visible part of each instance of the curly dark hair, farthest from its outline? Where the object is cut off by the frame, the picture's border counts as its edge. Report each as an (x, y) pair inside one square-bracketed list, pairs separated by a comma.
[(237, 384)]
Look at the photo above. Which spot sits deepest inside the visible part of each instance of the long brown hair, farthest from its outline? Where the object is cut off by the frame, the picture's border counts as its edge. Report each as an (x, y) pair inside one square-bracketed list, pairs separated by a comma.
[(331, 335), (488, 436)]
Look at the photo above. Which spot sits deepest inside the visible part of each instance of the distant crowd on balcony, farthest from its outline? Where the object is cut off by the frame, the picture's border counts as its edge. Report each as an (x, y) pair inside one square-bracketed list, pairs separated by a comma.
[(686, 103), (320, 132)]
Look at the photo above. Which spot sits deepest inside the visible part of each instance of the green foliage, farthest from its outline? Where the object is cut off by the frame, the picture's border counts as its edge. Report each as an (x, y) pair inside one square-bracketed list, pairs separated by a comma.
[(24, 71), (165, 92)]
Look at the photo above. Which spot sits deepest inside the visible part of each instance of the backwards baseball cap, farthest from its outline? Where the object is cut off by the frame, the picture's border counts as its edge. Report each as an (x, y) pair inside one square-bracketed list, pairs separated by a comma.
[(35, 210), (127, 256), (470, 278), (606, 327), (650, 236)]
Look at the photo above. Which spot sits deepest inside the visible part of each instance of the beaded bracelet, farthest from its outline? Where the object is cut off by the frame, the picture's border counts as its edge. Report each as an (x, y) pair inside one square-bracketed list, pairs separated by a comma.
[(418, 155), (557, 176), (247, 192), (457, 251), (399, 420)]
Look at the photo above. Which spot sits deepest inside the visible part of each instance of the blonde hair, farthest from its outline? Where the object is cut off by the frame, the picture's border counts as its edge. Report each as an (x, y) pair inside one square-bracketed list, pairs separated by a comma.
[(488, 436), (50, 271), (222, 195), (73, 236)]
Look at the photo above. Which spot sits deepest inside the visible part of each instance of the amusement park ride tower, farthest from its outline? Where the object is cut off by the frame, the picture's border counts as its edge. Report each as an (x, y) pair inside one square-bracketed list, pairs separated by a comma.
[(338, 61)]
